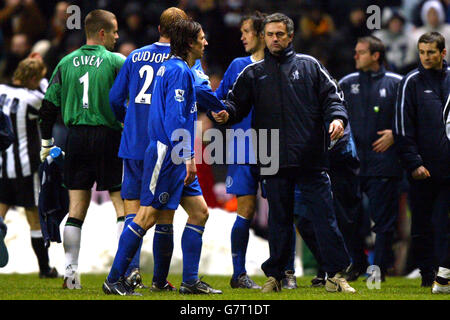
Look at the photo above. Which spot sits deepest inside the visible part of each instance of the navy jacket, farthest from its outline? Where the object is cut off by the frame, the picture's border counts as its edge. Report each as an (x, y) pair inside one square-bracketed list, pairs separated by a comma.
[(295, 94), (370, 98), (53, 200), (420, 132)]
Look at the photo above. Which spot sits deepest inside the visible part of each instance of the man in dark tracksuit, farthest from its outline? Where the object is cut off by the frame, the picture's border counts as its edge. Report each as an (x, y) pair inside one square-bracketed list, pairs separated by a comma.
[(422, 136), (295, 95), (370, 94)]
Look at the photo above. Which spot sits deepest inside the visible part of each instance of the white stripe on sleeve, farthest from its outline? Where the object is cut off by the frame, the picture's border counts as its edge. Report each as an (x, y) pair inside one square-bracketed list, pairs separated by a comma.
[(402, 103)]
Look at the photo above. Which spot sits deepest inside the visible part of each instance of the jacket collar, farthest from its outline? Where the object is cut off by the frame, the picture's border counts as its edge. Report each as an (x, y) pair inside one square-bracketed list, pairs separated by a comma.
[(285, 55), (433, 74), (371, 74)]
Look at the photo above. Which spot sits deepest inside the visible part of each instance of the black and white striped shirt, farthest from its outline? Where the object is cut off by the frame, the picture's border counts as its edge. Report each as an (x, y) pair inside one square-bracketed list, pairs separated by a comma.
[(22, 105)]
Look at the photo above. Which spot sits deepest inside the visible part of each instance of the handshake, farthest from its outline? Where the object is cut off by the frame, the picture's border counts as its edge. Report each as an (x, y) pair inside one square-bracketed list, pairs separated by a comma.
[(336, 128), (46, 146), (220, 117)]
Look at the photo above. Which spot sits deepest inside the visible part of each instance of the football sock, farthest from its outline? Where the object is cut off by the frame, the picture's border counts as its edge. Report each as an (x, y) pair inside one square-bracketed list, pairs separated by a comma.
[(135, 262), (162, 252), (239, 243), (120, 225), (37, 242), (291, 262), (128, 244), (71, 243), (191, 246)]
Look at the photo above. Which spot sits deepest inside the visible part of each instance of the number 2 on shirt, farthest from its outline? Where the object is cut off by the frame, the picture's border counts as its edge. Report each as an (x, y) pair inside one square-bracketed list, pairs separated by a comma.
[(142, 97)]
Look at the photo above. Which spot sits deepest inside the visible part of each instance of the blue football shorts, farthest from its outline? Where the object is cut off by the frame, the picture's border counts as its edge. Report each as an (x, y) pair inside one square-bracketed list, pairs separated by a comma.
[(163, 181), (132, 179), (242, 179)]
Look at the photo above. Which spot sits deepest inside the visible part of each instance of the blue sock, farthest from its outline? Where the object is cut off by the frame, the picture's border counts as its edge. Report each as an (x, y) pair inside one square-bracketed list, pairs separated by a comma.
[(134, 264), (128, 244), (239, 243), (162, 252), (290, 265), (191, 246)]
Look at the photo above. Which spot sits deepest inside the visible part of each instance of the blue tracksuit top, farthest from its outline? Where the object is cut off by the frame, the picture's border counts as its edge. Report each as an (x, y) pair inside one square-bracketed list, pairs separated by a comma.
[(422, 121), (370, 101)]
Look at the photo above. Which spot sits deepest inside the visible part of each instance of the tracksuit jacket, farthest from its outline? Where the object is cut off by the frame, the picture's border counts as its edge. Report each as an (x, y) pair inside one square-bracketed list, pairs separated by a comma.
[(53, 202), (422, 111), (370, 98), (295, 94)]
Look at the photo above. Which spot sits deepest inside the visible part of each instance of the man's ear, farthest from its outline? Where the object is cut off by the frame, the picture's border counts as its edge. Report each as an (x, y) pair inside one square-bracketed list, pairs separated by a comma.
[(101, 33), (376, 56), (291, 38), (444, 53)]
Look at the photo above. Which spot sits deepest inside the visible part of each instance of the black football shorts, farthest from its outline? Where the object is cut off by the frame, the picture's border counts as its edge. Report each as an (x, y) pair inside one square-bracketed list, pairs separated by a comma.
[(92, 156)]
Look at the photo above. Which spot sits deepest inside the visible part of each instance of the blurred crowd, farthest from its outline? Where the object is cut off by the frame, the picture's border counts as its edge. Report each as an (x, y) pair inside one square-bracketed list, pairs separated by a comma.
[(325, 29)]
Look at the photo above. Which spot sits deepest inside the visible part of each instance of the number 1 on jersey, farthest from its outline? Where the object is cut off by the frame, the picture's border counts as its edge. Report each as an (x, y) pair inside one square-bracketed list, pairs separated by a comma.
[(84, 80)]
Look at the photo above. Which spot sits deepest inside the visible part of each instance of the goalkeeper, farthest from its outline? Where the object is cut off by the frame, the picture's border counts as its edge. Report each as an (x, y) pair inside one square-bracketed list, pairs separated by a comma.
[(79, 89)]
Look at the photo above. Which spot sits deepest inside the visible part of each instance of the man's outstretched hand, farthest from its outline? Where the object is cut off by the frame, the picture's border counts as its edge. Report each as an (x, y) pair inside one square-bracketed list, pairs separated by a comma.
[(221, 117)]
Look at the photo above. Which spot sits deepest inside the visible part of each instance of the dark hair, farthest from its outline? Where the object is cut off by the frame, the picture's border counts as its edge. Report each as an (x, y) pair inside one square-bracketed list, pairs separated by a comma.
[(431, 37), (97, 20), (184, 32), (168, 19), (375, 45), (280, 17), (257, 19)]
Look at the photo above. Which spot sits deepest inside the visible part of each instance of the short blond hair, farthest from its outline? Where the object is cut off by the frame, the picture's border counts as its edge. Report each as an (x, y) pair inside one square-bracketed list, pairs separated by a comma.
[(28, 69)]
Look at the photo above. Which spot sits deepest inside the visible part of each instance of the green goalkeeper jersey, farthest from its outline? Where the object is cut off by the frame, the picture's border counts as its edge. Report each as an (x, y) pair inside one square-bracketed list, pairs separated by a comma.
[(80, 86)]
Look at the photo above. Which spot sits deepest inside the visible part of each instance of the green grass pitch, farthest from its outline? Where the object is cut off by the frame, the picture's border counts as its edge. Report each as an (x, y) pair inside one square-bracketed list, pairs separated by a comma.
[(30, 287)]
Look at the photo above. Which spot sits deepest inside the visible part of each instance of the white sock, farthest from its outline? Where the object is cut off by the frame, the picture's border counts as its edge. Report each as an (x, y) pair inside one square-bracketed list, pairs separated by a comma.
[(71, 243), (36, 233), (444, 273), (120, 225)]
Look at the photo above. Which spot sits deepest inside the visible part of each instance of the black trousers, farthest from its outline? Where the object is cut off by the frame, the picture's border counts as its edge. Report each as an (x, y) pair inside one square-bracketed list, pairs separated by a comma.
[(316, 191), (383, 196), (430, 209), (347, 200)]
